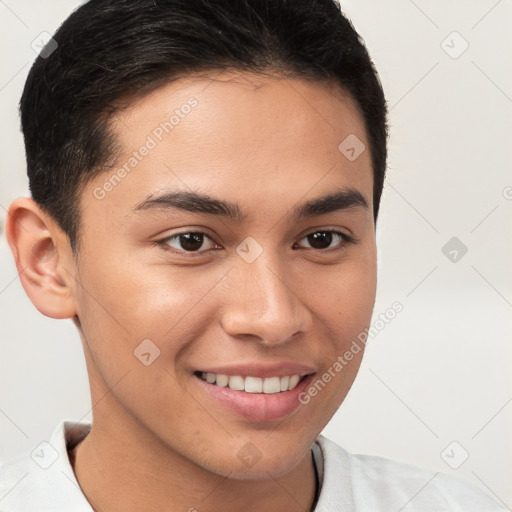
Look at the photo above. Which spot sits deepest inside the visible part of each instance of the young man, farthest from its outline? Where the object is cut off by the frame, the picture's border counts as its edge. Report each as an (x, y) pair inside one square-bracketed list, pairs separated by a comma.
[(205, 179)]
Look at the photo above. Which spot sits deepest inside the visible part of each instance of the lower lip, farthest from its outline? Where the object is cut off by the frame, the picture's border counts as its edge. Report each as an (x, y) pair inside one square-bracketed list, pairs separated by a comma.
[(258, 407)]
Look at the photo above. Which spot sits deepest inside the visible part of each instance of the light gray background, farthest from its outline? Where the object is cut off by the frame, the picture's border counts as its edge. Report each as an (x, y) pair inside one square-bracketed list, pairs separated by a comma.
[(441, 370)]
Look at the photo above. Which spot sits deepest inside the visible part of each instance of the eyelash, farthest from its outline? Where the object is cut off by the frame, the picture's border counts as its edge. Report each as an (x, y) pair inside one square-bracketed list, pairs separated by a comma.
[(164, 243)]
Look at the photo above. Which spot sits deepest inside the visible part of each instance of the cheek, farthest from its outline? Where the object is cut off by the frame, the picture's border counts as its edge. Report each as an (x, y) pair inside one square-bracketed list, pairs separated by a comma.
[(345, 295), (344, 312), (354, 301), (123, 304), (343, 302)]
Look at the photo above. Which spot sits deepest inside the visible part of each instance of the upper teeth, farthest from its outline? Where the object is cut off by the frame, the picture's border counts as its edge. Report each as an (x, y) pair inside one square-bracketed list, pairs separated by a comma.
[(252, 384)]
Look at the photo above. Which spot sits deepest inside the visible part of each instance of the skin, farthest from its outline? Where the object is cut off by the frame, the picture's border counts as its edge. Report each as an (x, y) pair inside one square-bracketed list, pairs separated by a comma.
[(158, 441)]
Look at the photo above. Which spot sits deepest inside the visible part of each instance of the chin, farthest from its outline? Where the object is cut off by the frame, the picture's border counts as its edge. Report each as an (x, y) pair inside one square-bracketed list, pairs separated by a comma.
[(251, 463)]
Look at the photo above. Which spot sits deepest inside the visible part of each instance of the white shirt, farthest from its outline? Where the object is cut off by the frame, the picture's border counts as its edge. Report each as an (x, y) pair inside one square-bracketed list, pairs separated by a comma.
[(44, 481)]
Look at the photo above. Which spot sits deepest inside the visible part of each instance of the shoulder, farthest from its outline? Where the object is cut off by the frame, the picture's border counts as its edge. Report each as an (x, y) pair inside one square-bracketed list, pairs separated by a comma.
[(381, 484), (43, 480), (20, 481)]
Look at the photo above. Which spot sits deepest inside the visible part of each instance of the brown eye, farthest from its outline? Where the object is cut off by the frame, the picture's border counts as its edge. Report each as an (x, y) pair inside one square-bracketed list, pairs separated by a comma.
[(191, 241), (322, 240), (188, 242)]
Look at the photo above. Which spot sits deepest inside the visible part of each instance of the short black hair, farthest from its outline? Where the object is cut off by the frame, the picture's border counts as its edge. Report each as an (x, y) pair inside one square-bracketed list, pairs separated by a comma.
[(110, 50)]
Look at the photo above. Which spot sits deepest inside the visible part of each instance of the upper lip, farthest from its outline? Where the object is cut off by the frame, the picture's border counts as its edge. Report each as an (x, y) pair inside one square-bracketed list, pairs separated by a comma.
[(260, 370)]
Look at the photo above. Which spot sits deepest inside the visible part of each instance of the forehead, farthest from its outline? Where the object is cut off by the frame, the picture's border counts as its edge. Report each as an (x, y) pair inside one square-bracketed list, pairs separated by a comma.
[(239, 135), (222, 101)]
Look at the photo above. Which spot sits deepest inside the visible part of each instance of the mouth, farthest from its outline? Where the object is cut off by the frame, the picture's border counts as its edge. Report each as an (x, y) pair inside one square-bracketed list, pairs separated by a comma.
[(257, 399), (250, 384)]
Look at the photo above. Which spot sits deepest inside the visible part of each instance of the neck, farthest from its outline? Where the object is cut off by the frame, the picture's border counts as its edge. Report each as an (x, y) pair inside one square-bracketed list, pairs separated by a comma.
[(119, 466)]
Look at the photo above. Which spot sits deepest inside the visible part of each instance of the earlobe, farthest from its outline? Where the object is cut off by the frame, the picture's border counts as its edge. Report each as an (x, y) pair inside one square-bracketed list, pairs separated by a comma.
[(41, 253)]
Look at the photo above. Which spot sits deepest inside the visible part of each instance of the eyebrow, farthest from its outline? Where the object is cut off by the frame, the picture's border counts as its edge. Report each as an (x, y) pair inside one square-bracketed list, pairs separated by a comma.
[(341, 199)]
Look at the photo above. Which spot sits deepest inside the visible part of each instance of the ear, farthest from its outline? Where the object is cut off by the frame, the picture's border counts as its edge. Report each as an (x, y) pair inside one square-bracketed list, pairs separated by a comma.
[(44, 258)]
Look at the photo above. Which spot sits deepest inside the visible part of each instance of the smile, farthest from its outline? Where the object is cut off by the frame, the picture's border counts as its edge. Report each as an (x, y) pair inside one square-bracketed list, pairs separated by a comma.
[(257, 399), (249, 384)]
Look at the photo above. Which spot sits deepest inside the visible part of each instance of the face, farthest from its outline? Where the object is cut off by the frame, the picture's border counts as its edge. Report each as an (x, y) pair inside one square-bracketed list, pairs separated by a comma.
[(209, 251)]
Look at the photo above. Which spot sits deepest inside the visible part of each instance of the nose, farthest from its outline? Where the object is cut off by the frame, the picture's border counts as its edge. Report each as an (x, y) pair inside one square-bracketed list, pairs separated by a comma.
[(264, 303)]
